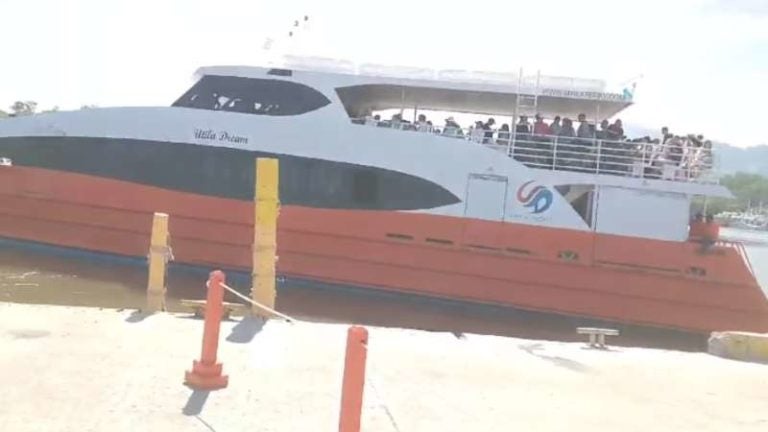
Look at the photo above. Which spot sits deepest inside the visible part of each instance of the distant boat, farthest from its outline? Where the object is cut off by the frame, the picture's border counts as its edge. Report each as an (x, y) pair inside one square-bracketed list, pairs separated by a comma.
[(743, 220)]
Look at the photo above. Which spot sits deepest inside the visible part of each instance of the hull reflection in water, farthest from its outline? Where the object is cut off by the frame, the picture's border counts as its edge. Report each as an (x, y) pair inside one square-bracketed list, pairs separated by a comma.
[(43, 275)]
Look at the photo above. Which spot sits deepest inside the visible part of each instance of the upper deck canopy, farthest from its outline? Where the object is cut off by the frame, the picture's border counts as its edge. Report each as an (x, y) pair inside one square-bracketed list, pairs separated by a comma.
[(377, 87), (372, 97)]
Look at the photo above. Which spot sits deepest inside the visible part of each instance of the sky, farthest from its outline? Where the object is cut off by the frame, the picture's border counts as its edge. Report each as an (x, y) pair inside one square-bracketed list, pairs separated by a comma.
[(701, 66)]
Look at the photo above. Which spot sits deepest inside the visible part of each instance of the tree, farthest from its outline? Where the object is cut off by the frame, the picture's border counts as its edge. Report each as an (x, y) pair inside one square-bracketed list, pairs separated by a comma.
[(88, 107), (21, 108), (749, 190), (3, 114)]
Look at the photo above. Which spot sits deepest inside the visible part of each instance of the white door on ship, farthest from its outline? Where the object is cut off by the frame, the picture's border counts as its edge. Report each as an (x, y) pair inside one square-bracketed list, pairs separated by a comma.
[(485, 197)]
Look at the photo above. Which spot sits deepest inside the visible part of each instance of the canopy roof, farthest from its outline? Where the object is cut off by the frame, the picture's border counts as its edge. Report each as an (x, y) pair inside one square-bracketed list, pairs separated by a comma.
[(368, 87), (360, 99)]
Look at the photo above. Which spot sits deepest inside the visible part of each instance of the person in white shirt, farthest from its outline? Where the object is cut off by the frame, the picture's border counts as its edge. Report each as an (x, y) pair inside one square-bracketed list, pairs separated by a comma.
[(452, 128), (422, 125)]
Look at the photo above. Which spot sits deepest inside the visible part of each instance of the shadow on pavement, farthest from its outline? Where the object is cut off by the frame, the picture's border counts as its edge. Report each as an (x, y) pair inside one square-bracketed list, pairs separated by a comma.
[(195, 402), (246, 329)]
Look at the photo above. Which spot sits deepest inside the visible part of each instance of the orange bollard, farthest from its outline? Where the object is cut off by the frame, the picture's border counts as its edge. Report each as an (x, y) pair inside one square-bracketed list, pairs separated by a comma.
[(354, 379), (206, 373)]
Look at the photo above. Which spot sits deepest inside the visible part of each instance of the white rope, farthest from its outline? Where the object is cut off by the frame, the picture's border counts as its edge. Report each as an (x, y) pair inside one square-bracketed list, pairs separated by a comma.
[(258, 305), (380, 399), (369, 376)]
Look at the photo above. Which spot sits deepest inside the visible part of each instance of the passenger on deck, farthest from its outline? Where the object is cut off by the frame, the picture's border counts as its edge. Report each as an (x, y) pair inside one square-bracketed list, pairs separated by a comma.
[(584, 129), (543, 145), (697, 140), (616, 131), (565, 155), (702, 159), (523, 126), (478, 132), (488, 128), (697, 158), (452, 128), (372, 120), (502, 138), (554, 127), (603, 132), (696, 227), (665, 135), (655, 157), (540, 128), (674, 151), (586, 134), (396, 122), (422, 125), (524, 149), (710, 232), (706, 231), (566, 130), (612, 154)]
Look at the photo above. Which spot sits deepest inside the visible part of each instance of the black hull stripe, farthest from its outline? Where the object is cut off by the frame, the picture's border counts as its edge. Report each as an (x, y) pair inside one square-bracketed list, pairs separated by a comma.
[(229, 173)]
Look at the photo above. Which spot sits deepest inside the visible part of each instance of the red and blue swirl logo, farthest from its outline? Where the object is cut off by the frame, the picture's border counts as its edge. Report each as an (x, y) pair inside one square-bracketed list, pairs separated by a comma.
[(538, 198)]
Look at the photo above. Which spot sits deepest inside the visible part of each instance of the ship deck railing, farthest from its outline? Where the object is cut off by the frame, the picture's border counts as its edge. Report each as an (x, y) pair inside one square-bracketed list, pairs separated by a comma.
[(685, 163)]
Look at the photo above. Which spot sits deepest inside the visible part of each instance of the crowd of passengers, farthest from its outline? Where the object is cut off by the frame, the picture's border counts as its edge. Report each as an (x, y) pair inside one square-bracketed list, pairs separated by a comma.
[(560, 145)]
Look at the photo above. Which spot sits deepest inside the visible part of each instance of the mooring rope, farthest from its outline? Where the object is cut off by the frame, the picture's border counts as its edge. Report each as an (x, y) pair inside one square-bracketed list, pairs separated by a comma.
[(369, 378), (258, 305), (382, 404)]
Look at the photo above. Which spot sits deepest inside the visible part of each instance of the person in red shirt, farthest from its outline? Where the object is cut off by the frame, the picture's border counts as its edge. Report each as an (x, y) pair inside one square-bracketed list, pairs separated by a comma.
[(711, 230), (696, 225), (541, 128)]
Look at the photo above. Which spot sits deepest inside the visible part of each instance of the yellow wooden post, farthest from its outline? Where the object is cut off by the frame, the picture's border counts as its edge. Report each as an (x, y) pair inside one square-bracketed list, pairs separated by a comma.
[(159, 254), (265, 234)]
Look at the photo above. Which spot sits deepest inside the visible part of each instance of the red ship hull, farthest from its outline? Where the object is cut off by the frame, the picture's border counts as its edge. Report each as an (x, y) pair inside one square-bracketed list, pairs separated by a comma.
[(629, 280)]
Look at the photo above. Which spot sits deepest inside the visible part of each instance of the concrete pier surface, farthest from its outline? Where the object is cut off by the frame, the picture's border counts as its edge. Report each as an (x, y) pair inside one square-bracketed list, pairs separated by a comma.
[(88, 369)]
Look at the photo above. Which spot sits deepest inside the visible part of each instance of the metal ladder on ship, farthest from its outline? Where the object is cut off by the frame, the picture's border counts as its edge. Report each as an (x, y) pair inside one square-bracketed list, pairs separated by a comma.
[(526, 103)]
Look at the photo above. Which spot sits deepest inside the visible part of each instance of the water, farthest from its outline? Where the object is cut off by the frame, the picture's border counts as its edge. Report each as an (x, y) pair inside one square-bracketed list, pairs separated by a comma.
[(756, 243), (38, 275)]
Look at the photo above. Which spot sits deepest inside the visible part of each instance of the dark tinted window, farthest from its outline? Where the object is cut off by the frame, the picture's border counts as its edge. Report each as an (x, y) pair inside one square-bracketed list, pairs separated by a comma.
[(280, 72), (252, 96), (228, 172)]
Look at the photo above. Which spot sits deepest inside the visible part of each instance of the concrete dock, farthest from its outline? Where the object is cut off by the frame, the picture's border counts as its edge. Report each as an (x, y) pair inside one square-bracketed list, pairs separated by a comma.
[(88, 369)]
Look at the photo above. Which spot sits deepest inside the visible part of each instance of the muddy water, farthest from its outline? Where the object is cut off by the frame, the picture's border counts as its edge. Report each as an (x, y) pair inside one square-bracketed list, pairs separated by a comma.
[(38, 275), (756, 243), (44, 276)]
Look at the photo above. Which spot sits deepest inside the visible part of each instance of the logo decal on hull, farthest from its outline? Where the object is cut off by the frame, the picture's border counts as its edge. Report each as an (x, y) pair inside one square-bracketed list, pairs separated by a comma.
[(538, 198)]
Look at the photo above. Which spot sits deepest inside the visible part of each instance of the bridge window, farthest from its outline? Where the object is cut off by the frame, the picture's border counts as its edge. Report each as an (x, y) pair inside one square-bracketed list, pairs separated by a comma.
[(252, 96)]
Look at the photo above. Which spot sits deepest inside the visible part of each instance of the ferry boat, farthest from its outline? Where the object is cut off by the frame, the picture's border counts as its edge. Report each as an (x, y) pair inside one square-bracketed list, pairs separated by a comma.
[(560, 225)]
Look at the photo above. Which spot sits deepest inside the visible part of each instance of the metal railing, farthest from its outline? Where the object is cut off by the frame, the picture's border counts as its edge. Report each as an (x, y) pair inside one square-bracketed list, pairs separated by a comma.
[(678, 160)]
